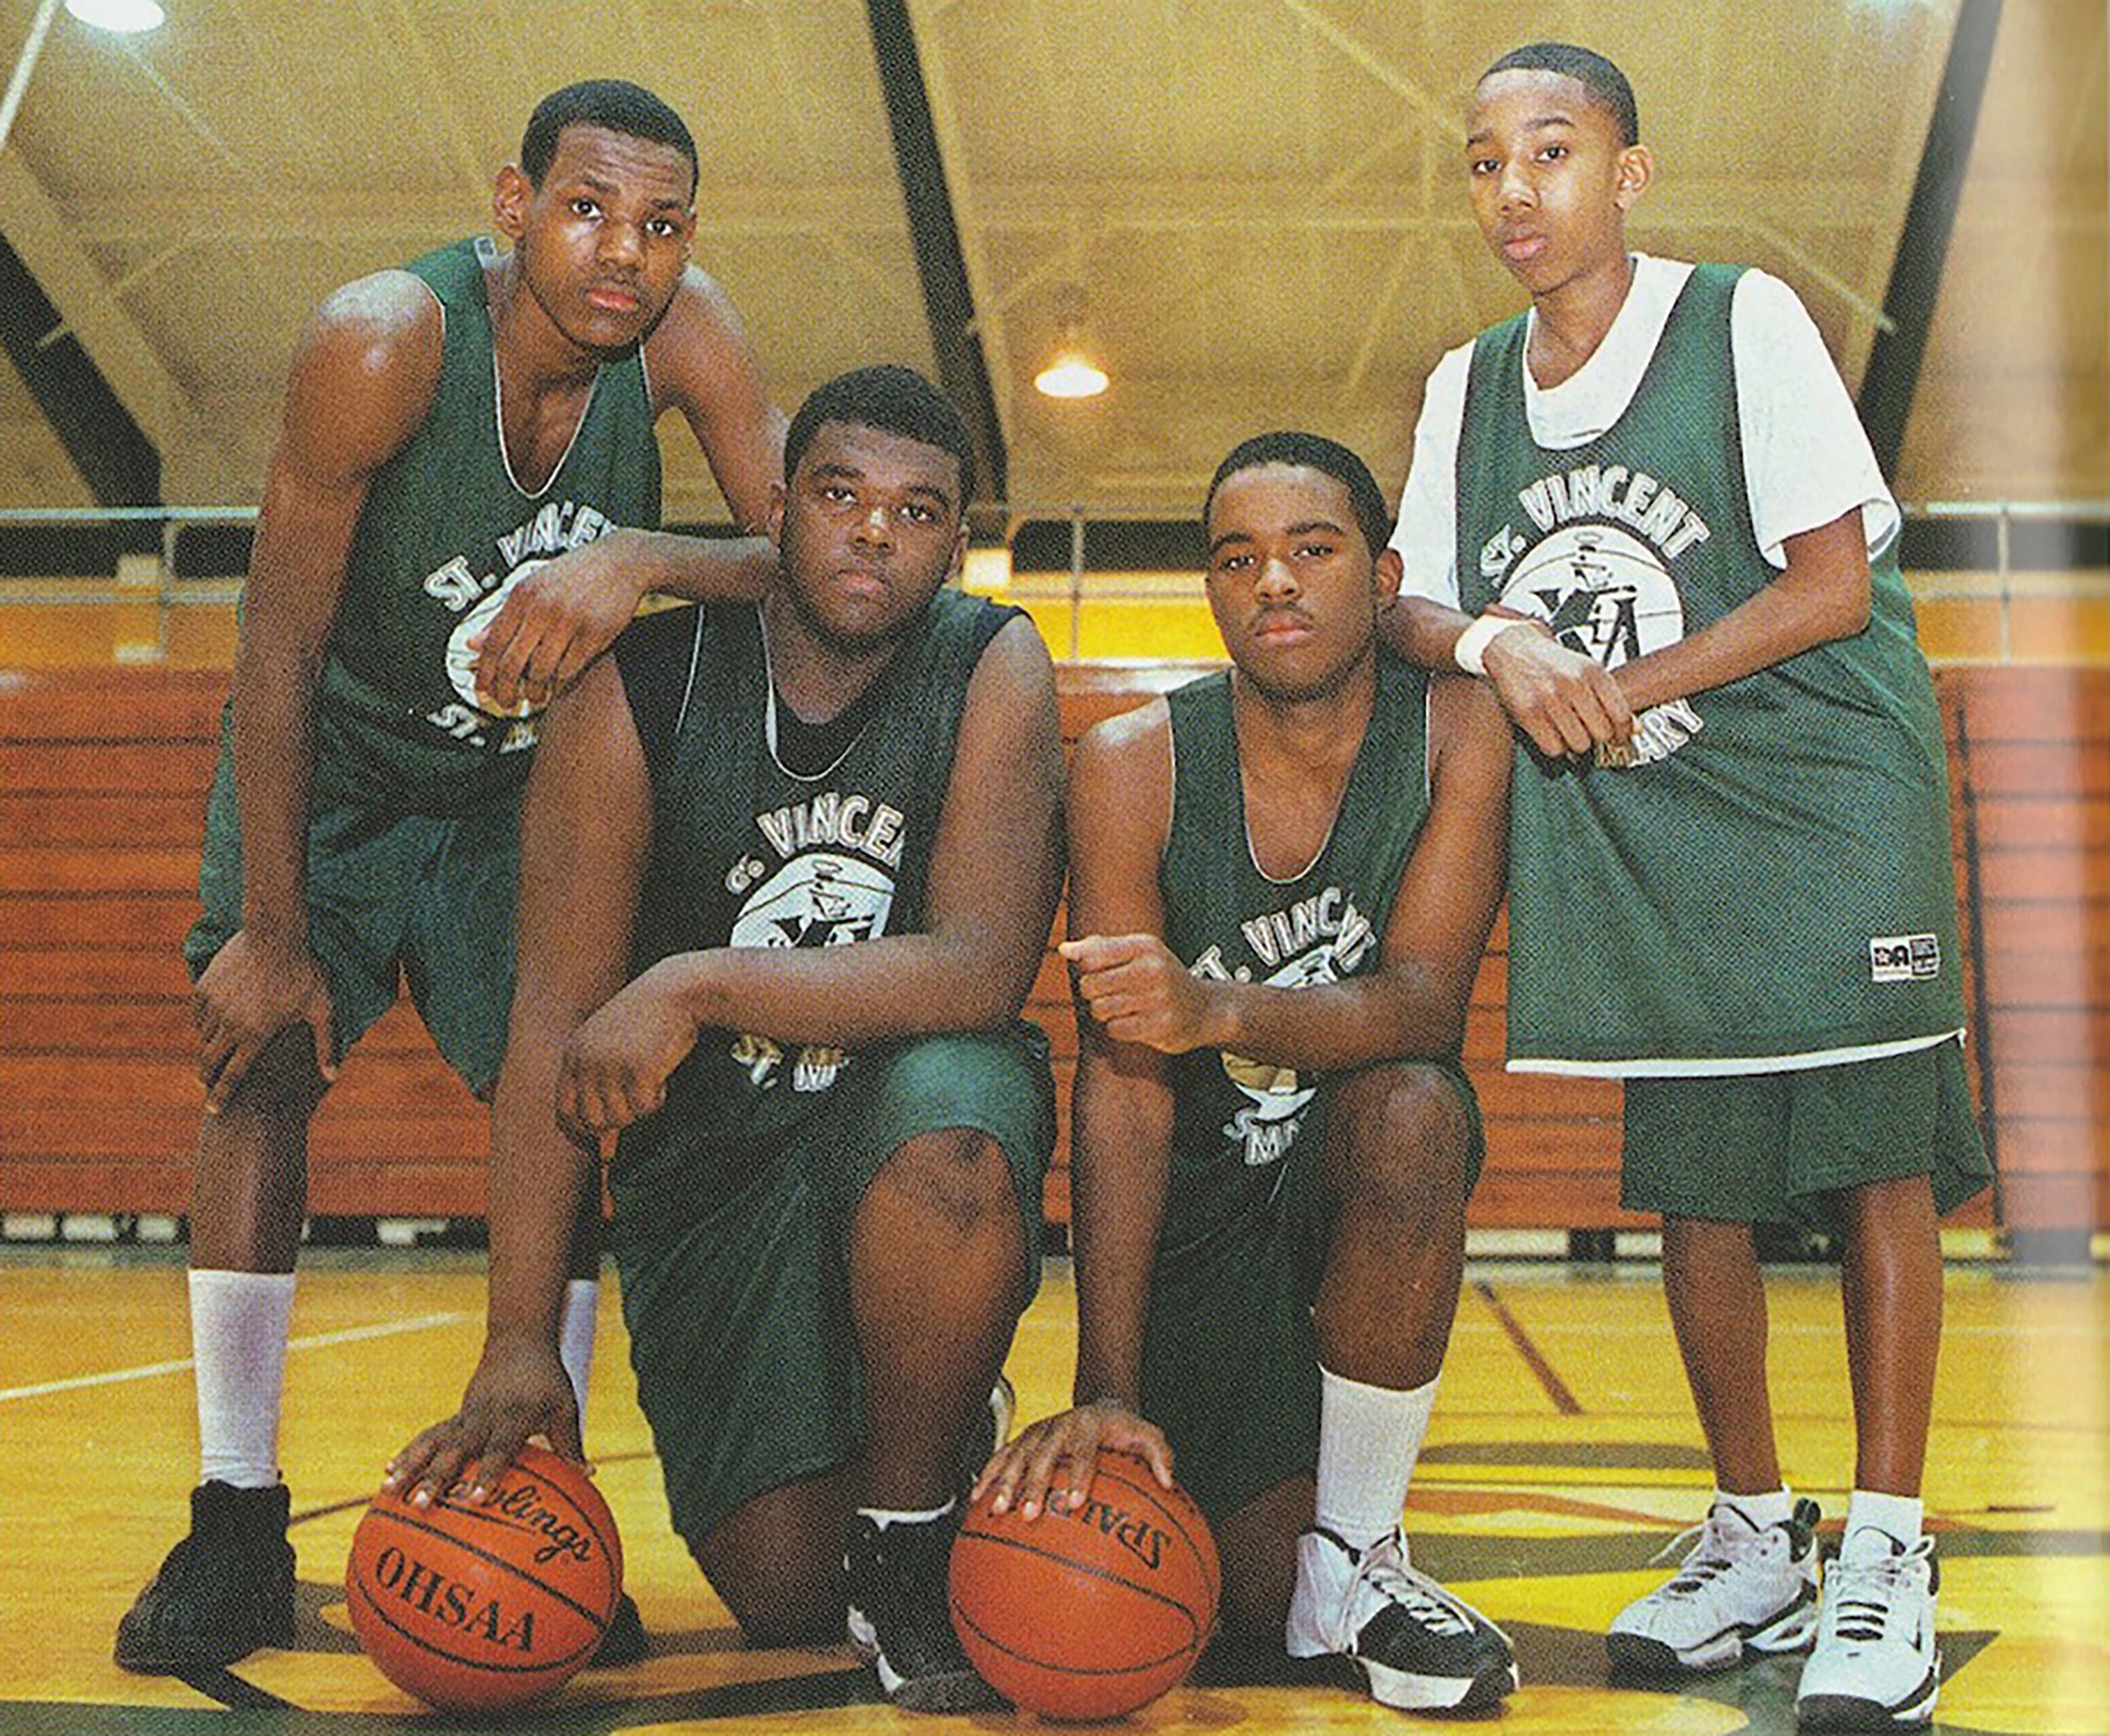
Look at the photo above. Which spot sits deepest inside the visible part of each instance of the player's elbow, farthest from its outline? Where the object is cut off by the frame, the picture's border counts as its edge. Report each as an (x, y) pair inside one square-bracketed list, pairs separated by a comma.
[(990, 1004), (1852, 604), (1418, 629), (1830, 592), (982, 993)]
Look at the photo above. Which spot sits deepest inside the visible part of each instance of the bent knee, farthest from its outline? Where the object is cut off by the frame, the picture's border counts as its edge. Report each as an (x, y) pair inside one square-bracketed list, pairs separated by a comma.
[(791, 1598), (284, 1084), (958, 1175), (1402, 1134)]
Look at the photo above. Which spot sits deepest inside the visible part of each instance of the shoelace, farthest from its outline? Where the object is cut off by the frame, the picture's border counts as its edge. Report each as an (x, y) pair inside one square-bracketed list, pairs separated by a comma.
[(1384, 1567), (1865, 1594), (1711, 1554)]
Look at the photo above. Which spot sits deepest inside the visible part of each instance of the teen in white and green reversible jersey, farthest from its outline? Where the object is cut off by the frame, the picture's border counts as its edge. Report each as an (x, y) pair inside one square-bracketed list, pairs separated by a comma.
[(460, 512), (1645, 511), (787, 874), (1281, 881)]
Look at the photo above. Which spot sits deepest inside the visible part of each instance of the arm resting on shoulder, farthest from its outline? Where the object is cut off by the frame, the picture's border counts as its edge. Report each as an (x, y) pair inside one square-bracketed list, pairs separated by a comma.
[(1566, 702), (556, 621)]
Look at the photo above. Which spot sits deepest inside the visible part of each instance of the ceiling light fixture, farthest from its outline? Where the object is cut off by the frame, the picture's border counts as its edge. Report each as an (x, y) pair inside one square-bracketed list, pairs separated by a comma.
[(123, 18), (1073, 373)]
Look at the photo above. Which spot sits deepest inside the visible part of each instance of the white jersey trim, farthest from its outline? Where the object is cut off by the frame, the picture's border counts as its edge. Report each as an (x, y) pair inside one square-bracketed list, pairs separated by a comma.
[(1807, 459), (1729, 1066)]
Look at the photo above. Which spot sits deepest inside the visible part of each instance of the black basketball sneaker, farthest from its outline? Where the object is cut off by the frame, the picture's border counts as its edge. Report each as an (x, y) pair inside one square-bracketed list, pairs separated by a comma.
[(223, 1591), (898, 1620)]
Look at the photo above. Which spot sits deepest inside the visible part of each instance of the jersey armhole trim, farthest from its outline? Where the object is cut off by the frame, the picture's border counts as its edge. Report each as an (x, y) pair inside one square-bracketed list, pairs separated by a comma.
[(688, 686)]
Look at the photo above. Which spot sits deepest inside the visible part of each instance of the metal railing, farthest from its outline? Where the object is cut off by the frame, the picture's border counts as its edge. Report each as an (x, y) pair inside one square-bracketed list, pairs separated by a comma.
[(1074, 587)]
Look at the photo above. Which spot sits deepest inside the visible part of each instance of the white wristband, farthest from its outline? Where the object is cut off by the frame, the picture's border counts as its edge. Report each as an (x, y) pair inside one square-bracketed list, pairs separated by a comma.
[(1470, 652)]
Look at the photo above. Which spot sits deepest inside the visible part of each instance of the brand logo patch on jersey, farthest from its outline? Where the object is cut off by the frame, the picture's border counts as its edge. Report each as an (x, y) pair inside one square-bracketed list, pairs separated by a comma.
[(1904, 957)]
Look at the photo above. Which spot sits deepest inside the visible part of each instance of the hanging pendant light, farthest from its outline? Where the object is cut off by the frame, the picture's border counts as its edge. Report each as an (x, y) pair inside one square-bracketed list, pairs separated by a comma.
[(1071, 372)]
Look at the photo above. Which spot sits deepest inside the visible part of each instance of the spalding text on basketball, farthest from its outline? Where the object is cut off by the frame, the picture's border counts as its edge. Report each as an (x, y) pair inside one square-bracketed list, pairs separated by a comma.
[(1138, 1536)]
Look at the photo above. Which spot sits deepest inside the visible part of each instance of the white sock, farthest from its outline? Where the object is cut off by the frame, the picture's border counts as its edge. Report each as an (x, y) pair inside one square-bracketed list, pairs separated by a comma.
[(885, 1516), (1369, 1440), (1899, 1515), (575, 1336), (239, 1322), (1776, 1506)]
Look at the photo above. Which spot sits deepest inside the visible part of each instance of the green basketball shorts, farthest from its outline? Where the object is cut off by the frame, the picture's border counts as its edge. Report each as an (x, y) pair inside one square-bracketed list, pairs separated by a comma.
[(1771, 1148), (1230, 1369), (390, 896), (737, 1294)]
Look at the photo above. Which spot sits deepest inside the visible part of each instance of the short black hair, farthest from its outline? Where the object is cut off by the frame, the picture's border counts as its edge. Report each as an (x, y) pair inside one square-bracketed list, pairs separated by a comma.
[(615, 103), (1605, 82), (893, 399), (1291, 446)]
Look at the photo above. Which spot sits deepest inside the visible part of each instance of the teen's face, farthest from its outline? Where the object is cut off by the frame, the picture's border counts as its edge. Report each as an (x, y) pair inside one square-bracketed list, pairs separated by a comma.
[(1292, 584), (1551, 184), (603, 240), (868, 529)]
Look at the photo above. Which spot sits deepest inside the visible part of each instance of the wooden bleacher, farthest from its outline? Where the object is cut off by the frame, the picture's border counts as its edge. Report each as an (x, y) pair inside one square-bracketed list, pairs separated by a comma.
[(103, 776)]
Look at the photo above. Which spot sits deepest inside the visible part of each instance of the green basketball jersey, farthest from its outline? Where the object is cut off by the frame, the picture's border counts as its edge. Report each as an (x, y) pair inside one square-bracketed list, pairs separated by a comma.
[(445, 533), (1234, 1119), (1764, 879), (747, 854)]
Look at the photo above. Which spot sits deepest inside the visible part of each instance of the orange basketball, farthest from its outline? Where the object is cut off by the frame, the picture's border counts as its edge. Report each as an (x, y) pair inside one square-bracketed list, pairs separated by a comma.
[(479, 1607), (1091, 1614)]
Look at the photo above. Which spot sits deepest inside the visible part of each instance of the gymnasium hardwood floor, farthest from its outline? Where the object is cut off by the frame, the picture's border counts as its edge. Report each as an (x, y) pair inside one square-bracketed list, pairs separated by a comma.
[(1563, 1457)]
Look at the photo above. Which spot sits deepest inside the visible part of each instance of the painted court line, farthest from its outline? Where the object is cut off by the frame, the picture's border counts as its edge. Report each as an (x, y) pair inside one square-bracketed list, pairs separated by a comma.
[(1556, 1388), (313, 1341)]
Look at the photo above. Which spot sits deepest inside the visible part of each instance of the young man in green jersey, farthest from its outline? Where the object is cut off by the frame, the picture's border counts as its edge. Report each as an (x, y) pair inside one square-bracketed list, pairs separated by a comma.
[(1645, 510), (1282, 878), (460, 512), (787, 874)]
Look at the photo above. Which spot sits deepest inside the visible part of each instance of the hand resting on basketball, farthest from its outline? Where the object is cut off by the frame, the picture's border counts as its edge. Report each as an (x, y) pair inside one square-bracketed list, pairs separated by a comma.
[(1023, 1474), (519, 1392), (1566, 702), (616, 1064)]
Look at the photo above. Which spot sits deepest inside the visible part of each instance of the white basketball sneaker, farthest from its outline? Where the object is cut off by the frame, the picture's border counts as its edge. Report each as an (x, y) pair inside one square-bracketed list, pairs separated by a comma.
[(1422, 1648), (1743, 1588), (1876, 1666)]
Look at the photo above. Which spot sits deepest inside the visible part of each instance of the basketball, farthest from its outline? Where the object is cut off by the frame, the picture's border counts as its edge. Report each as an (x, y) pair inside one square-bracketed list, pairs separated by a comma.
[(1090, 1613), (477, 1608)]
